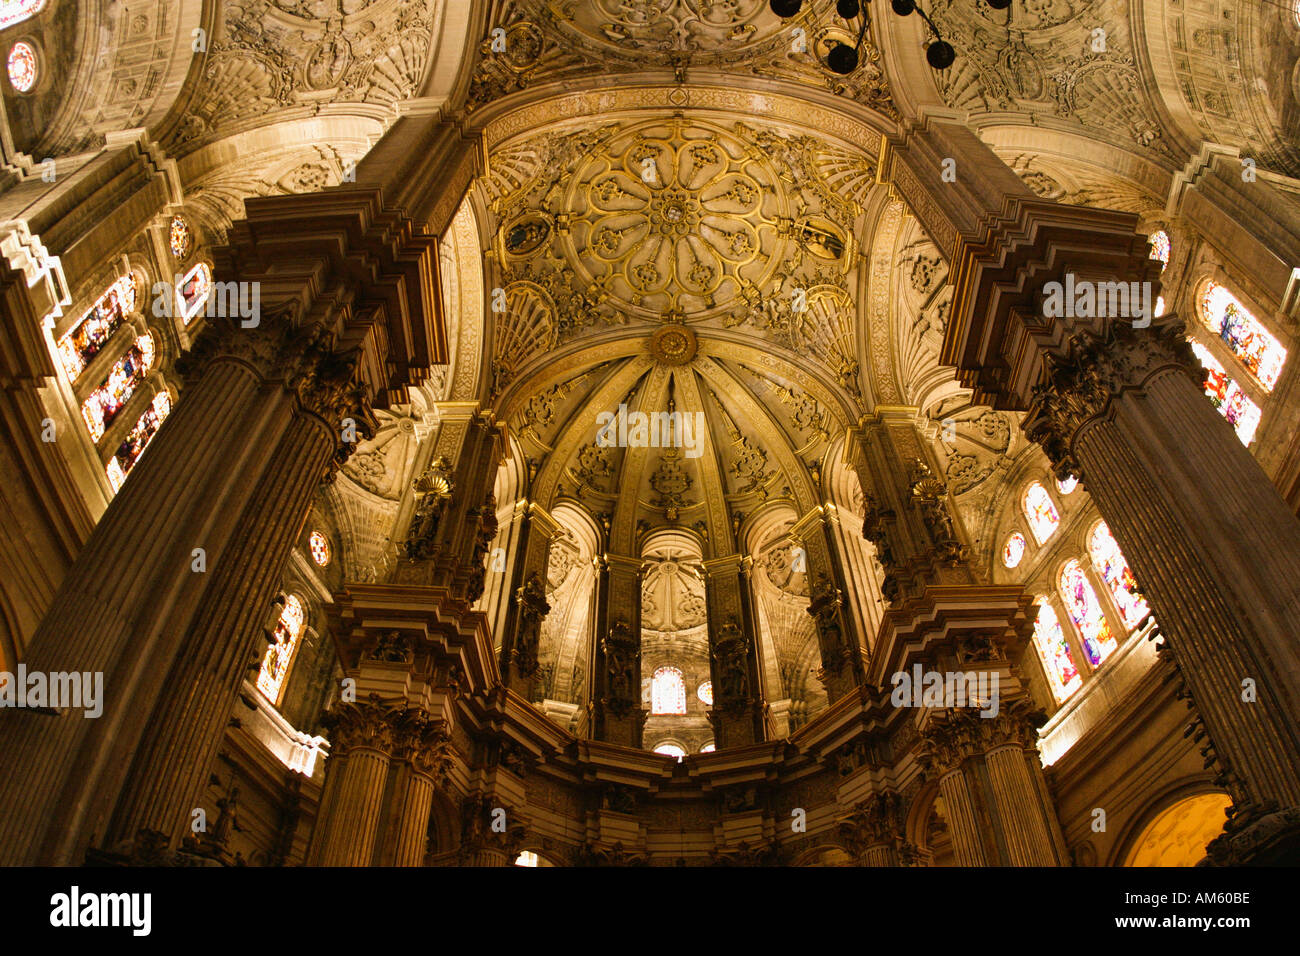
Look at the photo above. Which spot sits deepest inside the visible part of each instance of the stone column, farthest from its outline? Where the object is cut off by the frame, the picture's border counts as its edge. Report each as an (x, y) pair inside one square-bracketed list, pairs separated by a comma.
[(996, 811), (1215, 549), (875, 830), (171, 766), (425, 747), (843, 644), (737, 713), (451, 532), (362, 733), (520, 644), (491, 834), (917, 541), (616, 683)]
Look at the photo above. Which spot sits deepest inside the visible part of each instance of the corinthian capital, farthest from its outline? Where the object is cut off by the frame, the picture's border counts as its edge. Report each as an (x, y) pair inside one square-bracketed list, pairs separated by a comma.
[(362, 724), (1093, 370), (953, 735)]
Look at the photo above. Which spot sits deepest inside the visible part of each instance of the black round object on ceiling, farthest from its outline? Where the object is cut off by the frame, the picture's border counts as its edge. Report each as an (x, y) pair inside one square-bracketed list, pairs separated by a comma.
[(903, 7), (786, 8), (842, 59), (848, 9), (940, 54)]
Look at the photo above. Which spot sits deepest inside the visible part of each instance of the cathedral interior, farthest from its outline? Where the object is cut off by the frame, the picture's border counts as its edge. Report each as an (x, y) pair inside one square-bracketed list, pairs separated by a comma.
[(620, 432)]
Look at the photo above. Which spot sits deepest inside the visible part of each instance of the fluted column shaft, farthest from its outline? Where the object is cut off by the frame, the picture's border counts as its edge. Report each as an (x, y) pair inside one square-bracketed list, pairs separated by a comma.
[(1217, 554), (354, 824), (1015, 797), (115, 612), (172, 765), (963, 822), (413, 819)]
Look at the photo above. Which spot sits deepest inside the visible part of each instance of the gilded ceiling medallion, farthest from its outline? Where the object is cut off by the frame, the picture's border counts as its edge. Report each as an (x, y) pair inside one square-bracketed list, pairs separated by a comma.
[(674, 345)]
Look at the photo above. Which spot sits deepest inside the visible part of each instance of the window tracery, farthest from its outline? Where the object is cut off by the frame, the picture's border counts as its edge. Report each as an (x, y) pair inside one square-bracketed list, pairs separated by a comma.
[(104, 403), (275, 665), (1040, 512), (667, 691), (16, 11), (1086, 612), (1109, 563)]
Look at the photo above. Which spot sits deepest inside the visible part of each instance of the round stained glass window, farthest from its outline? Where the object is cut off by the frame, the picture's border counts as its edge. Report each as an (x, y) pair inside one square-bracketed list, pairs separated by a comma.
[(180, 238), (1014, 549), (1068, 485), (320, 548), (705, 693), (22, 66)]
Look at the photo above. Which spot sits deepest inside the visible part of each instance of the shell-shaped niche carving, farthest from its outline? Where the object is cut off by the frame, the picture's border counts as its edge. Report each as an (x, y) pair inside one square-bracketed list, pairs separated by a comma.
[(672, 597), (382, 465), (526, 328), (397, 72), (825, 330)]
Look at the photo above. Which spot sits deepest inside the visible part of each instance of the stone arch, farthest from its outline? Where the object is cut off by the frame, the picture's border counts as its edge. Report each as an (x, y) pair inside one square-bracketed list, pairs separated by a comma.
[(1173, 828)]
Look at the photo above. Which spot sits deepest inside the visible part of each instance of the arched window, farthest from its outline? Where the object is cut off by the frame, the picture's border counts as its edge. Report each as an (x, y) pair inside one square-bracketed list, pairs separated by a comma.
[(1227, 396), (275, 666), (670, 750), (1085, 610), (1014, 549), (83, 341), (526, 858), (1160, 247), (133, 446), (1040, 512), (102, 405), (1109, 562), (709, 748), (1067, 485), (1224, 315), (705, 693), (667, 692), (16, 11), (193, 291), (1054, 652)]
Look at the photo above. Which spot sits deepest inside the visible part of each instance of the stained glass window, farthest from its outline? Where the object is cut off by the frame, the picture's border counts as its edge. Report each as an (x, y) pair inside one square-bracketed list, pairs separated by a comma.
[(84, 340), (193, 291), (129, 452), (102, 405), (16, 11), (1068, 485), (320, 548), (1223, 314), (1014, 549), (275, 666), (705, 692), (180, 238), (1041, 513), (1085, 610), (1160, 246), (1227, 396), (709, 748), (1054, 651), (22, 66), (1160, 306), (667, 692), (1109, 562), (670, 750)]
